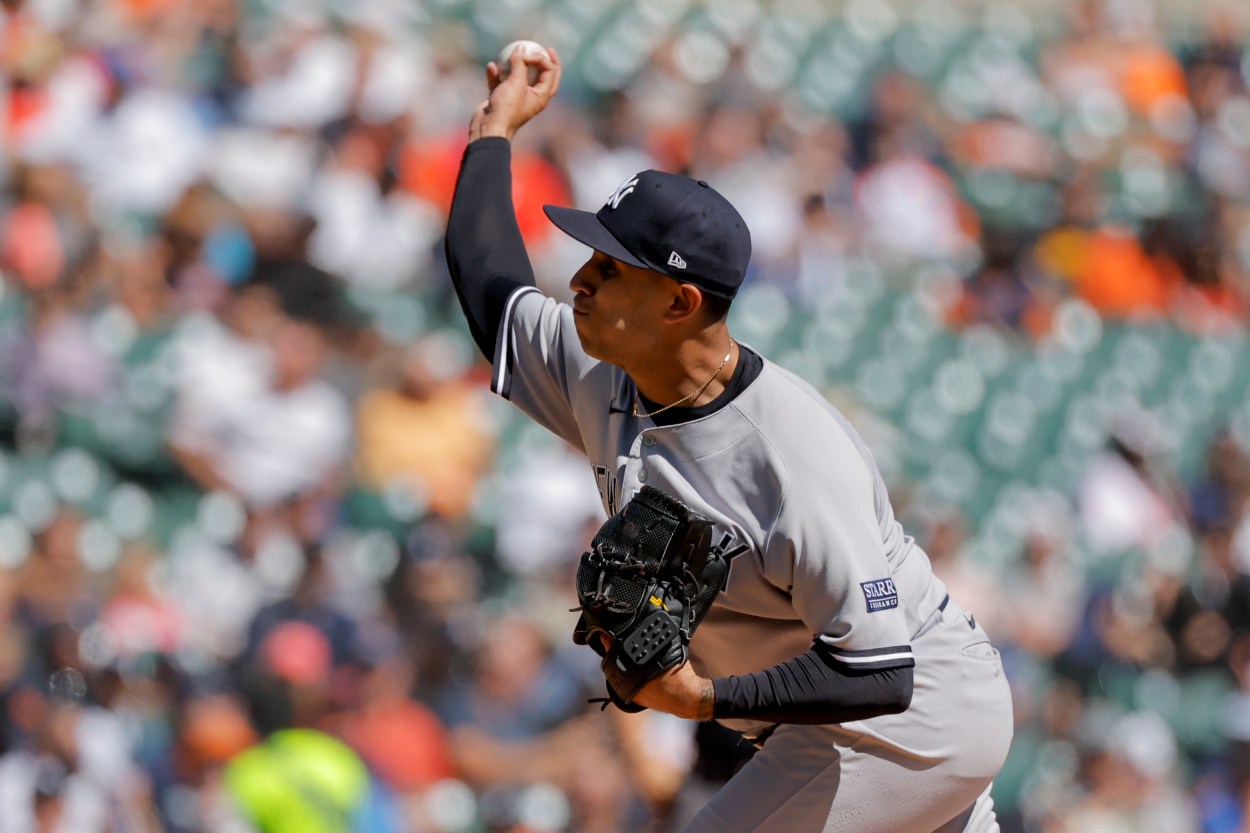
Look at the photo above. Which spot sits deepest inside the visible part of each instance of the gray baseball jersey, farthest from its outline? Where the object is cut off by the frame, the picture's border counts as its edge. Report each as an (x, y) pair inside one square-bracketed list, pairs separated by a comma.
[(778, 469)]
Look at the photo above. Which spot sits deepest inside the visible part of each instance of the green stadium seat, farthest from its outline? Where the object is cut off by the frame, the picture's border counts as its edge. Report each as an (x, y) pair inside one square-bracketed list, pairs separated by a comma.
[(1191, 704), (15, 541), (79, 479), (390, 510), (129, 511), (176, 510), (763, 317)]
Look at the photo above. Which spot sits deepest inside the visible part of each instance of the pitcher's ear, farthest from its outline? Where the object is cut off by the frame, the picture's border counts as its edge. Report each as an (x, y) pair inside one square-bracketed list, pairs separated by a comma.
[(687, 300)]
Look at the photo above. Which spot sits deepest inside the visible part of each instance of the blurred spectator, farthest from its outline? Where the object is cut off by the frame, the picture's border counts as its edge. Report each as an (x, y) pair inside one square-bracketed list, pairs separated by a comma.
[(286, 440), (1214, 57), (900, 116), (428, 434), (1219, 498), (657, 753), (218, 589), (815, 266), (602, 152), (732, 152), (404, 744), (1118, 278), (137, 617), (53, 587), (909, 208), (512, 720), (1213, 608), (204, 249), (431, 596), (1122, 632), (1107, 264), (222, 362), (45, 236), (301, 637), (428, 169), (56, 361), (1000, 292), (145, 151), (75, 778), (945, 535), (1124, 501), (304, 781), (1150, 77), (1111, 48), (368, 229), (1129, 781), (1039, 609), (1001, 143), (552, 514), (211, 730), (1205, 297), (399, 738), (1063, 250), (601, 798)]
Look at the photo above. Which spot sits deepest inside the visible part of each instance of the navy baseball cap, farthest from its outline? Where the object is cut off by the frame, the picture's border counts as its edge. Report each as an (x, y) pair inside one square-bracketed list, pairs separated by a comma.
[(672, 224)]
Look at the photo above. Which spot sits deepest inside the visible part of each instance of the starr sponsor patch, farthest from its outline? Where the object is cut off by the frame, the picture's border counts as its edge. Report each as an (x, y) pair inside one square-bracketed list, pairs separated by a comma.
[(880, 594)]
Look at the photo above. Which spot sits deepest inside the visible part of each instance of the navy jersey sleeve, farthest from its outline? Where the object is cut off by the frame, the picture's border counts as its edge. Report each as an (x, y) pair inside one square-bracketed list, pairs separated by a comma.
[(485, 252), (528, 338)]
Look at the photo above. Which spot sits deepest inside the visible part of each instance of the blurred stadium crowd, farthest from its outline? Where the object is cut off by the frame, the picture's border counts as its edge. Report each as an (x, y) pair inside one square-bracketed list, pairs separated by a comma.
[(271, 559)]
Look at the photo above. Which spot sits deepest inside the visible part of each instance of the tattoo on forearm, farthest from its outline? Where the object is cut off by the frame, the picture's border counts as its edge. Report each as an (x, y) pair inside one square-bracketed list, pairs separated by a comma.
[(707, 699)]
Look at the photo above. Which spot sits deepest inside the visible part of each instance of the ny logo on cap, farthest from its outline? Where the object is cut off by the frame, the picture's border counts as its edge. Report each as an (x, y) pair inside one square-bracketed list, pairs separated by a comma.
[(622, 191)]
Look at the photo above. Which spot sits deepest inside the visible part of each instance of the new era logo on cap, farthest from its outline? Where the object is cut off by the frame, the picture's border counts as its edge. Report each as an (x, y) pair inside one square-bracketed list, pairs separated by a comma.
[(670, 224)]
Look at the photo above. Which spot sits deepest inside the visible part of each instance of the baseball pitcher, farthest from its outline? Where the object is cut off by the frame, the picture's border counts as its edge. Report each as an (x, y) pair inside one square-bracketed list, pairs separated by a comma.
[(752, 571)]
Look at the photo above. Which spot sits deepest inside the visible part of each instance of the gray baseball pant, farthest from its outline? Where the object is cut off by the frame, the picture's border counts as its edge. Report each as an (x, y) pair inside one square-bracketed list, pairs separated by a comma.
[(927, 770)]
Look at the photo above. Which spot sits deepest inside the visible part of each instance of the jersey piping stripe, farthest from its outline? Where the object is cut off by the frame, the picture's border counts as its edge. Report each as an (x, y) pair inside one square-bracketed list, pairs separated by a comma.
[(501, 381), (899, 656), (868, 652), (902, 655)]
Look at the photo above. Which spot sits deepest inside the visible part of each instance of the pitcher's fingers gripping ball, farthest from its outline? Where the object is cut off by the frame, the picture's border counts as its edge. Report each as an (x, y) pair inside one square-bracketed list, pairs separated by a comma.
[(645, 585), (527, 47)]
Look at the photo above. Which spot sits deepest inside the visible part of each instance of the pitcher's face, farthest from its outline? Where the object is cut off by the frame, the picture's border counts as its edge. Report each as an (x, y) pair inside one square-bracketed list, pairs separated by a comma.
[(617, 308)]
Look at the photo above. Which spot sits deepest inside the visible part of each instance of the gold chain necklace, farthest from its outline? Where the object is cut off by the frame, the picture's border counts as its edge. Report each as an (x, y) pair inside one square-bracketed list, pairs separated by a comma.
[(690, 397)]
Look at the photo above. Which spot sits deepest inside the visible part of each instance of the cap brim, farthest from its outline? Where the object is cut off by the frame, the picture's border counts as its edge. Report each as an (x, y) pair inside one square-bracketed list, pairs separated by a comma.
[(584, 227)]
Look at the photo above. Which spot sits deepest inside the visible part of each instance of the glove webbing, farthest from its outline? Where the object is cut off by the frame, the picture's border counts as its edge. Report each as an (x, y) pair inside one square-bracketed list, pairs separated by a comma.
[(610, 568)]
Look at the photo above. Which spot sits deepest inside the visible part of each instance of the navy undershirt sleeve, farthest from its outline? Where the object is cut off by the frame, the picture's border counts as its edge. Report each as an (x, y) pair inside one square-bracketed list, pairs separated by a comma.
[(485, 252), (814, 688)]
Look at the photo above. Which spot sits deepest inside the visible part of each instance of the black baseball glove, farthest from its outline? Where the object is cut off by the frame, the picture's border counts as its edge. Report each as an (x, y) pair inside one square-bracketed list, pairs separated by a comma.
[(645, 585)]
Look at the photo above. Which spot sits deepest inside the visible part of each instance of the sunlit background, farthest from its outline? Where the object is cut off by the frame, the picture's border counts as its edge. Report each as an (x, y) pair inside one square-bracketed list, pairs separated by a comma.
[(258, 513)]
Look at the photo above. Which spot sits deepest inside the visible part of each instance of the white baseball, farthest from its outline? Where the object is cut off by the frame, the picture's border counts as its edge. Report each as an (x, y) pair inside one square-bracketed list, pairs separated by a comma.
[(531, 48)]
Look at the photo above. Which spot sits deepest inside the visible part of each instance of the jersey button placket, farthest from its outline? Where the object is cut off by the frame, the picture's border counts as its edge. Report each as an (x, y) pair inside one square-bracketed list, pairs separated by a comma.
[(646, 441)]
